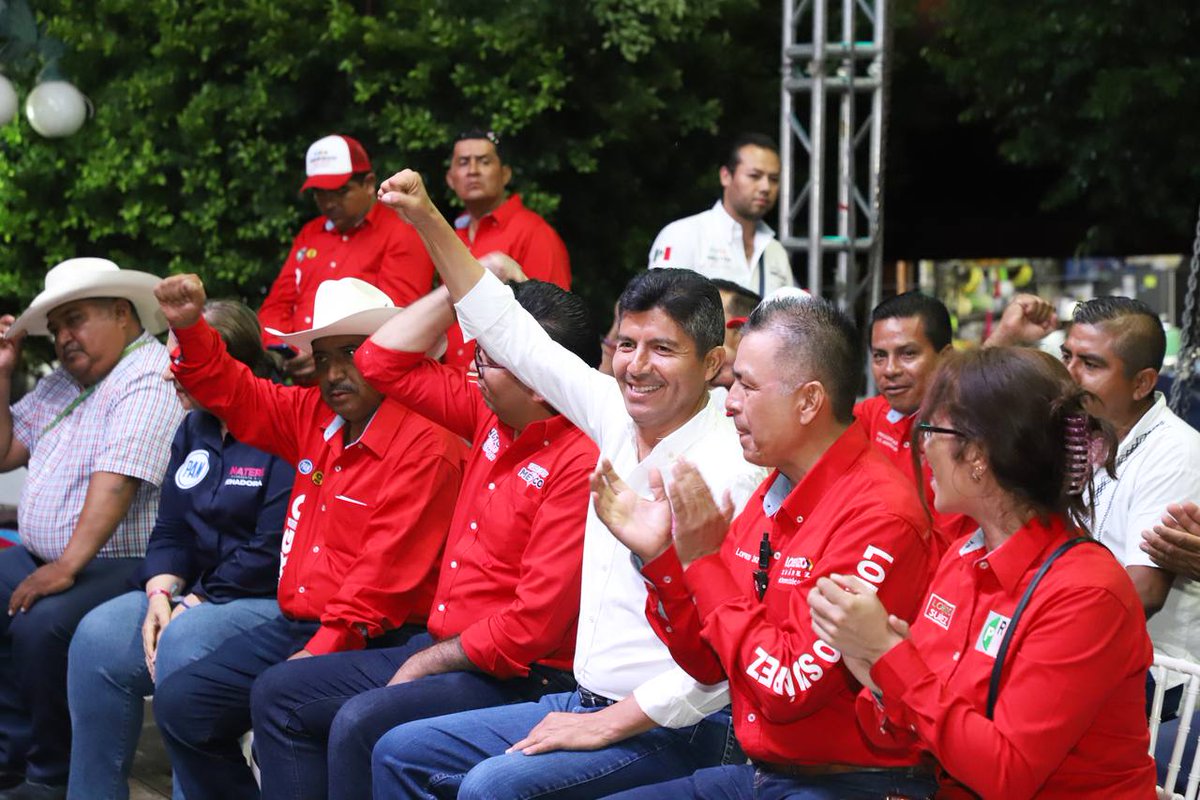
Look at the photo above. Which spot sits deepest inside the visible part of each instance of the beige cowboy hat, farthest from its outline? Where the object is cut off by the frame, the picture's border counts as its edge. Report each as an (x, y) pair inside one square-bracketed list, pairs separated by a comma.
[(345, 307), (85, 278)]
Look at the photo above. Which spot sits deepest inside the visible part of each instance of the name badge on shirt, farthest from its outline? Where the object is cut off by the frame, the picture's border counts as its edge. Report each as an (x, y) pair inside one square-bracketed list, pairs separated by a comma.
[(992, 635), (192, 470), (939, 611)]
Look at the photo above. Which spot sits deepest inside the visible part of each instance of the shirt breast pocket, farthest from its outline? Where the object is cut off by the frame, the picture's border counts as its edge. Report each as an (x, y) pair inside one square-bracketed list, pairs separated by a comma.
[(506, 526), (348, 524)]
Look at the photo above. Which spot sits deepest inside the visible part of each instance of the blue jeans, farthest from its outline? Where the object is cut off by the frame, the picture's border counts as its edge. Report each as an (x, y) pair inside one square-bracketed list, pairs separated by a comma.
[(463, 755), (204, 707), (107, 679), (316, 720), (35, 725), (746, 782)]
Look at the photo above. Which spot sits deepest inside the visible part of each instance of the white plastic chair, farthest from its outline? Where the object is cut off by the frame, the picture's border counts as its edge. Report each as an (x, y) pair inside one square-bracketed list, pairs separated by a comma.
[(1164, 668)]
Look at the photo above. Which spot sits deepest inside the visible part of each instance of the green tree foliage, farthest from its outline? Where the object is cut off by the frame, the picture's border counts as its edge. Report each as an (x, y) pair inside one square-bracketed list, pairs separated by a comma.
[(203, 112), (1107, 93)]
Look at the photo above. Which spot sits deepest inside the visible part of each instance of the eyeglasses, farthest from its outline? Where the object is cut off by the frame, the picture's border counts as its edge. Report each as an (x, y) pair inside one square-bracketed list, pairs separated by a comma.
[(926, 430), (482, 362)]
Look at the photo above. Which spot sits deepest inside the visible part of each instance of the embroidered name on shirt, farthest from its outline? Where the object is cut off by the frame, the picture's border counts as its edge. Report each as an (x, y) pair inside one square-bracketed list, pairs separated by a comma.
[(795, 569), (245, 476), (887, 440), (534, 475), (939, 611), (992, 635), (492, 445), (192, 470), (803, 672)]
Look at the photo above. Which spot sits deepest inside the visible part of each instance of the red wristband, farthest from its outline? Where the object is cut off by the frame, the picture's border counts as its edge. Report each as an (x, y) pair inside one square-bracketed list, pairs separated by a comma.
[(161, 591)]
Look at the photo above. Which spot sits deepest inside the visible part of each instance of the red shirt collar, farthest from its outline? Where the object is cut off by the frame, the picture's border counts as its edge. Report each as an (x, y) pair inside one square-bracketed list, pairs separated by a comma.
[(381, 430), (1023, 551)]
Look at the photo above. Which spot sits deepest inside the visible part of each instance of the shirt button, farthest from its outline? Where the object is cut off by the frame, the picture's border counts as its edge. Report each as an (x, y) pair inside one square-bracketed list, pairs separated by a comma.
[(308, 319), (491, 486), (907, 445), (546, 443), (666, 579), (332, 263), (460, 352), (669, 629), (322, 506), (955, 656), (983, 565), (592, 619), (750, 718), (316, 548), (473, 526), (345, 238), (337, 469), (300, 590), (799, 518), (441, 606)]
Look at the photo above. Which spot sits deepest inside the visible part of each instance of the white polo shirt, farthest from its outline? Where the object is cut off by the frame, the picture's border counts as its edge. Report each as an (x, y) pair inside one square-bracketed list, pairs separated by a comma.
[(711, 243), (1158, 463), (616, 651)]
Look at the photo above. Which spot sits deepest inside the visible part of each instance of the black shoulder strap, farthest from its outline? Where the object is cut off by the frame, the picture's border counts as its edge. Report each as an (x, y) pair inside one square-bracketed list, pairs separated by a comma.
[(994, 685)]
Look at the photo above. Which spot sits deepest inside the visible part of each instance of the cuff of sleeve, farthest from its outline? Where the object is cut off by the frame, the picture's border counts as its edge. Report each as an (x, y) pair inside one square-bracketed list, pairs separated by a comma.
[(375, 362), (480, 646), (329, 639), (711, 583), (666, 573), (893, 673), (165, 564), (481, 307), (197, 344)]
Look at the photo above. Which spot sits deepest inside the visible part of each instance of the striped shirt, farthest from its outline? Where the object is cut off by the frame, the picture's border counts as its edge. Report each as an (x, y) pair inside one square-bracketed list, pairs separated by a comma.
[(124, 427)]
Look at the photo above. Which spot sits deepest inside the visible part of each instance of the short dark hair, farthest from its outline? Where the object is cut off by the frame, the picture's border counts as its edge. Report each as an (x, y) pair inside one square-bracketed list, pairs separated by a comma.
[(734, 155), (1137, 332), (935, 318), (480, 133), (563, 315), (687, 297), (743, 301), (817, 340)]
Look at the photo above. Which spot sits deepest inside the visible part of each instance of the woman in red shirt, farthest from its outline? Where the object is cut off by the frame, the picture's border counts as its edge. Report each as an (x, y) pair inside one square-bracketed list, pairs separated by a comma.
[(1007, 436)]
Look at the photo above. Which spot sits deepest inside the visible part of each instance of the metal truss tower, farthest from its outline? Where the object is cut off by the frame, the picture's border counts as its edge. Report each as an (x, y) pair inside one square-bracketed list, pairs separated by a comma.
[(818, 73)]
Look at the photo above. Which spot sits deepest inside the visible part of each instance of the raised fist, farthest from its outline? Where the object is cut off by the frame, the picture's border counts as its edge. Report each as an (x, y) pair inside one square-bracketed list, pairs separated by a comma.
[(181, 298), (405, 192)]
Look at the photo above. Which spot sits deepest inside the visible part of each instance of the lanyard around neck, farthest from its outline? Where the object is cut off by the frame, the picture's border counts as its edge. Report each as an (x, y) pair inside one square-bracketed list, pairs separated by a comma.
[(86, 393)]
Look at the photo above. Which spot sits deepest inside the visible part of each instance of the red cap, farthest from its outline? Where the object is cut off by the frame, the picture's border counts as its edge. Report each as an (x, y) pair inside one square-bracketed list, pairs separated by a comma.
[(332, 160)]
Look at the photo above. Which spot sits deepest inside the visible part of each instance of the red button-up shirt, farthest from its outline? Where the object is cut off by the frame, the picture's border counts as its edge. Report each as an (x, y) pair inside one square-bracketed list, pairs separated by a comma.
[(1070, 717), (526, 238), (853, 513), (366, 522), (509, 583), (894, 440), (383, 250)]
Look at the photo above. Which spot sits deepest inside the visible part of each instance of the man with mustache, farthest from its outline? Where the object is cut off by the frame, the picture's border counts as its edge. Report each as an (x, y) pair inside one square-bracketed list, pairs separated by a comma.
[(730, 240), (96, 434), (352, 238), (372, 503)]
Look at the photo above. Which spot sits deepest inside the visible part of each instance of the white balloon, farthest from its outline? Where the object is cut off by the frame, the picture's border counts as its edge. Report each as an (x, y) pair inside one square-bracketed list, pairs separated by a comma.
[(56, 109), (8, 101)]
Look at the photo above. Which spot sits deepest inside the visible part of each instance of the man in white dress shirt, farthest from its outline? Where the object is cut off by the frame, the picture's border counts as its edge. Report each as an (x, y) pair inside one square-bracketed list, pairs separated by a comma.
[(636, 718), (730, 241)]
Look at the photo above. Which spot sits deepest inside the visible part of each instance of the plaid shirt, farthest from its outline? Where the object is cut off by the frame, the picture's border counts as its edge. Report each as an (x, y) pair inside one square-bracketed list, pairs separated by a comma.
[(125, 427)]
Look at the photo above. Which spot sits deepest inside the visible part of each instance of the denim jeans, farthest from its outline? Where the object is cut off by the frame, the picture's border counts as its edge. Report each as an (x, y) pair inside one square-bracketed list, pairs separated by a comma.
[(107, 679), (35, 724), (463, 755), (316, 720), (746, 782)]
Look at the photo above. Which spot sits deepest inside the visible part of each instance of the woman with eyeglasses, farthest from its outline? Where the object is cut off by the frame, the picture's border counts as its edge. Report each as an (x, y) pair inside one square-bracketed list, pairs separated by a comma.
[(1048, 701)]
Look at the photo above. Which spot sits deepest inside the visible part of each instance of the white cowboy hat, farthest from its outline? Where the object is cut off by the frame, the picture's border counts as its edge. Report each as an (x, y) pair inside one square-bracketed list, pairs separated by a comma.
[(84, 278), (345, 307)]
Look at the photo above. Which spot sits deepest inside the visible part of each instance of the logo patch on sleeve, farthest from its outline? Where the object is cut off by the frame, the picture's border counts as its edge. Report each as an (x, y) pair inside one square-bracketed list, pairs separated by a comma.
[(992, 635), (939, 611)]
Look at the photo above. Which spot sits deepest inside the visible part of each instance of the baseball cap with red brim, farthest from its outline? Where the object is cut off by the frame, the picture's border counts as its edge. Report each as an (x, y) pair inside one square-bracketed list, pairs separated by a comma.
[(331, 161)]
